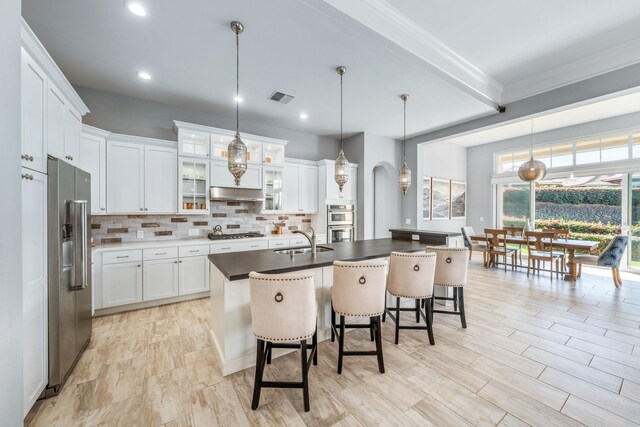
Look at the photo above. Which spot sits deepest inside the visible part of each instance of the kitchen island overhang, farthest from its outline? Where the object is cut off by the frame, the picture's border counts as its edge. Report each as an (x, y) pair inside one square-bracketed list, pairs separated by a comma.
[(230, 294)]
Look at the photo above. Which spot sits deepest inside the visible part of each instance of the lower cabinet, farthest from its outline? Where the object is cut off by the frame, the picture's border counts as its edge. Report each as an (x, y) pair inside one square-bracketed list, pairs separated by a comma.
[(160, 279), (194, 275), (121, 283)]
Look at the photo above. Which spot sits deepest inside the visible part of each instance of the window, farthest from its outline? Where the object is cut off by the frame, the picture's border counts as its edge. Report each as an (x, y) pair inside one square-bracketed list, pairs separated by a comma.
[(561, 155), (587, 152), (515, 204), (543, 154), (614, 148), (504, 162), (636, 145)]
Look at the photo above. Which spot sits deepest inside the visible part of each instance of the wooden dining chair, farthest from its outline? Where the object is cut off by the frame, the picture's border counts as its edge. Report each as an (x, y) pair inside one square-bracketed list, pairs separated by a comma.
[(515, 232), (540, 248), (560, 233), (497, 247)]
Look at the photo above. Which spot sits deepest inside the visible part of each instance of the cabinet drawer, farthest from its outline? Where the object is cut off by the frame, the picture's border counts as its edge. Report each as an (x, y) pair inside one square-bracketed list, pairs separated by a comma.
[(122, 256), (298, 241), (160, 253), (218, 248), (186, 251), (279, 243)]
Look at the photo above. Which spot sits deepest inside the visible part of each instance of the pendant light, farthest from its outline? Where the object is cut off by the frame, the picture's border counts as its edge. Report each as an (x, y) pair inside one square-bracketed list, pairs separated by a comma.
[(532, 170), (341, 171), (404, 177), (237, 161)]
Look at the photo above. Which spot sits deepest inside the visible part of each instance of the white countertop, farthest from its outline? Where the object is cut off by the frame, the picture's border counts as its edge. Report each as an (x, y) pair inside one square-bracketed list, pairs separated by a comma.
[(188, 241)]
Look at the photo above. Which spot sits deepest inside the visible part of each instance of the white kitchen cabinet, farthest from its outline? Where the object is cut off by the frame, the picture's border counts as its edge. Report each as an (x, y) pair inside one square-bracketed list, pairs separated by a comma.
[(160, 183), (93, 159), (273, 189), (280, 243), (121, 283), (33, 98), (300, 188), (125, 177), (34, 285), (223, 247), (193, 185), (194, 274), (331, 191), (141, 178), (72, 131), (193, 143), (56, 109), (221, 177), (160, 279)]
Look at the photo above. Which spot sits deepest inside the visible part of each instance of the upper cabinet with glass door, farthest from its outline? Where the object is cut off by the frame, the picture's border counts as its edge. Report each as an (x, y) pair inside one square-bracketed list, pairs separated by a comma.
[(193, 140), (220, 141), (273, 153)]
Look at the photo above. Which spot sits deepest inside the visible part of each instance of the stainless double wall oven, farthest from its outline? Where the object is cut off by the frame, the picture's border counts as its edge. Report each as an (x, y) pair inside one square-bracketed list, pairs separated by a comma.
[(341, 223)]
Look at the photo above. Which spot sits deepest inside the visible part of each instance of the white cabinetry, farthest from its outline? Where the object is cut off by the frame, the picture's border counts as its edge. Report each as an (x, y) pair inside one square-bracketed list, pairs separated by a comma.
[(300, 187), (141, 177), (194, 274), (160, 279), (328, 188), (93, 159), (272, 187), (56, 108), (193, 185), (33, 95), (121, 283), (34, 285), (72, 126)]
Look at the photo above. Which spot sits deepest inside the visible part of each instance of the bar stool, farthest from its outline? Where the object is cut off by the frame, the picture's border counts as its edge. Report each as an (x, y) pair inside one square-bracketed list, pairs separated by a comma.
[(451, 272), (283, 315), (411, 275), (358, 291)]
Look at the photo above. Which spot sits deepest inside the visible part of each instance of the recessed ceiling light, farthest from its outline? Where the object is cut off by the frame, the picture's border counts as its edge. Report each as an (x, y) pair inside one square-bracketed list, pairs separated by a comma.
[(135, 8), (238, 99), (144, 75), (304, 116)]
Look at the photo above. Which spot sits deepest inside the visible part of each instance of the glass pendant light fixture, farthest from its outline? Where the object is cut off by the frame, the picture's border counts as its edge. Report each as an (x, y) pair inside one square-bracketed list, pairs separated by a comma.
[(532, 170), (341, 171), (237, 162), (404, 177)]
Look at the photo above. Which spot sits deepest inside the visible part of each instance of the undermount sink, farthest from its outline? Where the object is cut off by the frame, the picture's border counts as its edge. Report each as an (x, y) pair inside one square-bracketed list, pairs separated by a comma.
[(304, 250)]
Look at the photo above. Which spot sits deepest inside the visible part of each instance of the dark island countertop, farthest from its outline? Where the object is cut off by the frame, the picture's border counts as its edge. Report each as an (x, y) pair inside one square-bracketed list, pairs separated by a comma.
[(425, 232), (423, 236), (236, 266)]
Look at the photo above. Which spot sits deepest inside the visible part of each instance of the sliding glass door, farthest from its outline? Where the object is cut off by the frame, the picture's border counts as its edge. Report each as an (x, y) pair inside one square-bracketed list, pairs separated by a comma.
[(514, 204), (634, 221)]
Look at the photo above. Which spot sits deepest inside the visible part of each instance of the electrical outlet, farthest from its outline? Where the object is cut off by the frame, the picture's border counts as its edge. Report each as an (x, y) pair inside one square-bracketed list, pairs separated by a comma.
[(407, 221), (193, 232), (481, 219), (139, 234)]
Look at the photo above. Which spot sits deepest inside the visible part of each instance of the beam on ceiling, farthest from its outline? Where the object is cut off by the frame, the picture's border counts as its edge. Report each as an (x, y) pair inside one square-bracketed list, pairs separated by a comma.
[(389, 22)]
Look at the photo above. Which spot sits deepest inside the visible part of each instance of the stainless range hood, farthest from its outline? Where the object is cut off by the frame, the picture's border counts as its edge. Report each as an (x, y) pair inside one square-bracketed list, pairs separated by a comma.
[(236, 194)]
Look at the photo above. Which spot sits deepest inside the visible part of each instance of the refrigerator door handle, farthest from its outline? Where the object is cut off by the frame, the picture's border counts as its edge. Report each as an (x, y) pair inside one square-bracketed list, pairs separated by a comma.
[(83, 243)]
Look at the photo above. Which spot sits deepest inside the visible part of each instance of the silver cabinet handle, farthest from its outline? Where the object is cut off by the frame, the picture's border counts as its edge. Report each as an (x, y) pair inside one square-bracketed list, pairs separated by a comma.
[(122, 256), (224, 249), (175, 262), (70, 157), (196, 250), (27, 157), (139, 265), (146, 209), (102, 209), (141, 209), (255, 246), (161, 253), (27, 176), (180, 261)]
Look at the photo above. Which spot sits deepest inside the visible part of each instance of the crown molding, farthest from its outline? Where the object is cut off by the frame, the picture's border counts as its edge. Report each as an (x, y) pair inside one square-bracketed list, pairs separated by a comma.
[(37, 51), (386, 20), (94, 131)]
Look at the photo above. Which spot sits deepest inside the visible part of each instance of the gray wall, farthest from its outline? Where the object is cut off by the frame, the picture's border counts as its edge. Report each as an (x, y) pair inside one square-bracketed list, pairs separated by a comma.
[(11, 243), (583, 91), (140, 117), (354, 150), (480, 168)]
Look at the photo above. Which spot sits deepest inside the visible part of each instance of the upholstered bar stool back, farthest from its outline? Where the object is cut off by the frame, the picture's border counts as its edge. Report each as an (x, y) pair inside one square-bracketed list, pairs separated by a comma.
[(358, 290), (283, 315), (451, 272), (283, 306), (411, 275)]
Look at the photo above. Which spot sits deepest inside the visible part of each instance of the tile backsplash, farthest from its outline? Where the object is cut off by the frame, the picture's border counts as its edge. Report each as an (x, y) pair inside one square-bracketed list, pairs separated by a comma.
[(233, 217)]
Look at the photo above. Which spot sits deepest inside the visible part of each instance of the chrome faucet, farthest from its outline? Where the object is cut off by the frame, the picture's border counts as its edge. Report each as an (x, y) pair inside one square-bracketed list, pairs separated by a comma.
[(311, 239)]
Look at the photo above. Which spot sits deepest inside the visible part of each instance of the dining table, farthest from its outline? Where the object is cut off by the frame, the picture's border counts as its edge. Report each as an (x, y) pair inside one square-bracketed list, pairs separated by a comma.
[(570, 245)]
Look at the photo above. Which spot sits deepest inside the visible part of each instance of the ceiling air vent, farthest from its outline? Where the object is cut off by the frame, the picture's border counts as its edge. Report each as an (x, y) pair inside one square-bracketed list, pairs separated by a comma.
[(280, 97)]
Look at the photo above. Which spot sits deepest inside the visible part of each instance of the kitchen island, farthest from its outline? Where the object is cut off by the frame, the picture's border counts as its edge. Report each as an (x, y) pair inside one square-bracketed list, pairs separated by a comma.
[(230, 297)]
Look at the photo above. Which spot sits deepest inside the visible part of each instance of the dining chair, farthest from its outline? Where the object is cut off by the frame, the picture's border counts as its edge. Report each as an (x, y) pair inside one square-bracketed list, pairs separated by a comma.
[(610, 258), (496, 240), (467, 232), (560, 233), (515, 232), (540, 248)]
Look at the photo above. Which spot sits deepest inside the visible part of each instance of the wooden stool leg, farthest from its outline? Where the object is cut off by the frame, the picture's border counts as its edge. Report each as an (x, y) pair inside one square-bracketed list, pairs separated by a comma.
[(305, 375), (455, 298), (397, 320), (314, 343), (417, 311), (340, 344), (258, 380), (371, 329), (463, 319), (429, 321), (379, 345), (384, 313), (269, 350)]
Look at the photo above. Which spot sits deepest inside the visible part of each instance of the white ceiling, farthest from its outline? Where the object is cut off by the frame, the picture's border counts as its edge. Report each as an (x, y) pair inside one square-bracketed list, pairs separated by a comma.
[(615, 106), (476, 52)]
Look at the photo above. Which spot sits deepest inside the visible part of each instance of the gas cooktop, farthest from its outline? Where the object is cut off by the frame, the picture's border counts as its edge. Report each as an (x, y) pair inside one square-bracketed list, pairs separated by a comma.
[(234, 236)]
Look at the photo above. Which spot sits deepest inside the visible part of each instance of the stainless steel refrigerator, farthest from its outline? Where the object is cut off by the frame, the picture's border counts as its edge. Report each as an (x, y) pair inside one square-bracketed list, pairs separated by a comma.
[(70, 284)]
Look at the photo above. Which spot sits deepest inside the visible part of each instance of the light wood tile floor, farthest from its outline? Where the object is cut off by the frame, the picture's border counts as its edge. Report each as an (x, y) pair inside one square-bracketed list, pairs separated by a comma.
[(537, 351)]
